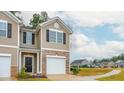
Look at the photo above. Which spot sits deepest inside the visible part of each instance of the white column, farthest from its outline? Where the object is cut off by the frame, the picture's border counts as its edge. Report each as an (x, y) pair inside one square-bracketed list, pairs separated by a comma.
[(41, 61), (38, 62), (20, 61)]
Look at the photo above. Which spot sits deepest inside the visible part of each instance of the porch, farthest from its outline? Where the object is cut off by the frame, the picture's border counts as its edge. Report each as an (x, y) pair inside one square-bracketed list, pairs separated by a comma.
[(30, 59)]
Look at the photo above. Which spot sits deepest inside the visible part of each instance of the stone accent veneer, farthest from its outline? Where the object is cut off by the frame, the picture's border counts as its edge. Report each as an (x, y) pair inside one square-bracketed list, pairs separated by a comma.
[(14, 71), (53, 53)]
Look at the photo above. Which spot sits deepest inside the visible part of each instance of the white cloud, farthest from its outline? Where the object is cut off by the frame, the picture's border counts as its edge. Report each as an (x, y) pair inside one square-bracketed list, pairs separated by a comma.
[(91, 19), (119, 30), (88, 48), (79, 39)]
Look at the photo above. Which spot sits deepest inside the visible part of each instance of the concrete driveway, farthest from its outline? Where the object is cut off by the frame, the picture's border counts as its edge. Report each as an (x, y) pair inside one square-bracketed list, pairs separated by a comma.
[(62, 77), (68, 77)]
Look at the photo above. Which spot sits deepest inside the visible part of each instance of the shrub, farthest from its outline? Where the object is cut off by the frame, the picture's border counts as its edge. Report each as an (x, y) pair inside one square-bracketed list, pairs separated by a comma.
[(75, 70), (23, 74), (84, 66), (71, 68)]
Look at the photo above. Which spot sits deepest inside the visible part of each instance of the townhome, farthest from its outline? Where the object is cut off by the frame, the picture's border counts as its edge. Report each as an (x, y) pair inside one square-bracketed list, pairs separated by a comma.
[(44, 50), (9, 44)]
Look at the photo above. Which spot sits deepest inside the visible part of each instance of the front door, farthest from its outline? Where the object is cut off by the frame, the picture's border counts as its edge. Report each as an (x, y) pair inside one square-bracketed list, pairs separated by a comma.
[(28, 64)]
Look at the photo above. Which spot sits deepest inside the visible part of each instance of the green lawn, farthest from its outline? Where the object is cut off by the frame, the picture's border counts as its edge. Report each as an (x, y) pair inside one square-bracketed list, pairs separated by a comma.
[(93, 71), (117, 77), (34, 79)]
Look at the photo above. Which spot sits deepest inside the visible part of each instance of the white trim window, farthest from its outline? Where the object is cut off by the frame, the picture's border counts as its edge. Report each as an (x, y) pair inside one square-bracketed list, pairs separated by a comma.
[(55, 36), (52, 36), (3, 28), (59, 37), (29, 38)]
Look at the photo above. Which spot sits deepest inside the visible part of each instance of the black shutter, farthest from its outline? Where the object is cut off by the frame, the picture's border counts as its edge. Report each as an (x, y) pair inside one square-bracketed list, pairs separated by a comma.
[(64, 38), (24, 37), (9, 32), (47, 35), (33, 38)]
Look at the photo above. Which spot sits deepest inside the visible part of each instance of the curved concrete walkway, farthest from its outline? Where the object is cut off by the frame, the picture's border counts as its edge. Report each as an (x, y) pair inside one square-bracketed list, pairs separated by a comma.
[(92, 78), (81, 78)]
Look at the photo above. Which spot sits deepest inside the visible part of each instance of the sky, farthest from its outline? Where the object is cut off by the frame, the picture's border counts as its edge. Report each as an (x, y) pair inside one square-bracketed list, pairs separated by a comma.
[(95, 35)]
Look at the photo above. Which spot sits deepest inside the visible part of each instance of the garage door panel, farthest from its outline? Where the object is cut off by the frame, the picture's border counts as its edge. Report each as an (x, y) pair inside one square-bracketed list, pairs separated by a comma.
[(55, 65), (5, 66)]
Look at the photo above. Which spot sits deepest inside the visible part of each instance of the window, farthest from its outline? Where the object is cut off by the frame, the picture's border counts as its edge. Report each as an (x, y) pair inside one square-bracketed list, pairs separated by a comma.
[(52, 36), (59, 37), (28, 38), (55, 36), (3, 28)]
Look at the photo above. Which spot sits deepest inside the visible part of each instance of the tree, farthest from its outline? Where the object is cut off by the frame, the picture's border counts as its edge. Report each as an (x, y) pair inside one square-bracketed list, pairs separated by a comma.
[(38, 18), (44, 16), (95, 61), (114, 58), (121, 57)]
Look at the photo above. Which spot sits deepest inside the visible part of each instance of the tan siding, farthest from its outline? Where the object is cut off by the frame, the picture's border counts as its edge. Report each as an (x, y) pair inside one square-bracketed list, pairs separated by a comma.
[(13, 52), (10, 41), (38, 40), (54, 45)]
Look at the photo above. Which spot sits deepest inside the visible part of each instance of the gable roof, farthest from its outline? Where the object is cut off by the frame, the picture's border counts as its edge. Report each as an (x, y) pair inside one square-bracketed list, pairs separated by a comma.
[(57, 18), (80, 61), (10, 15)]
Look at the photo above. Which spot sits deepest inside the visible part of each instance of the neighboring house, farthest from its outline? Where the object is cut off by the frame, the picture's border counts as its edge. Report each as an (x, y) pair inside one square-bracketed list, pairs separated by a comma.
[(42, 50), (107, 64), (111, 64), (95, 65), (119, 63), (104, 64), (80, 62)]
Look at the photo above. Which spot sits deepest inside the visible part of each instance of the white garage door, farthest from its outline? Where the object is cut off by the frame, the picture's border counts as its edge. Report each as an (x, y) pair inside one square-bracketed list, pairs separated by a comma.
[(56, 65), (5, 66)]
